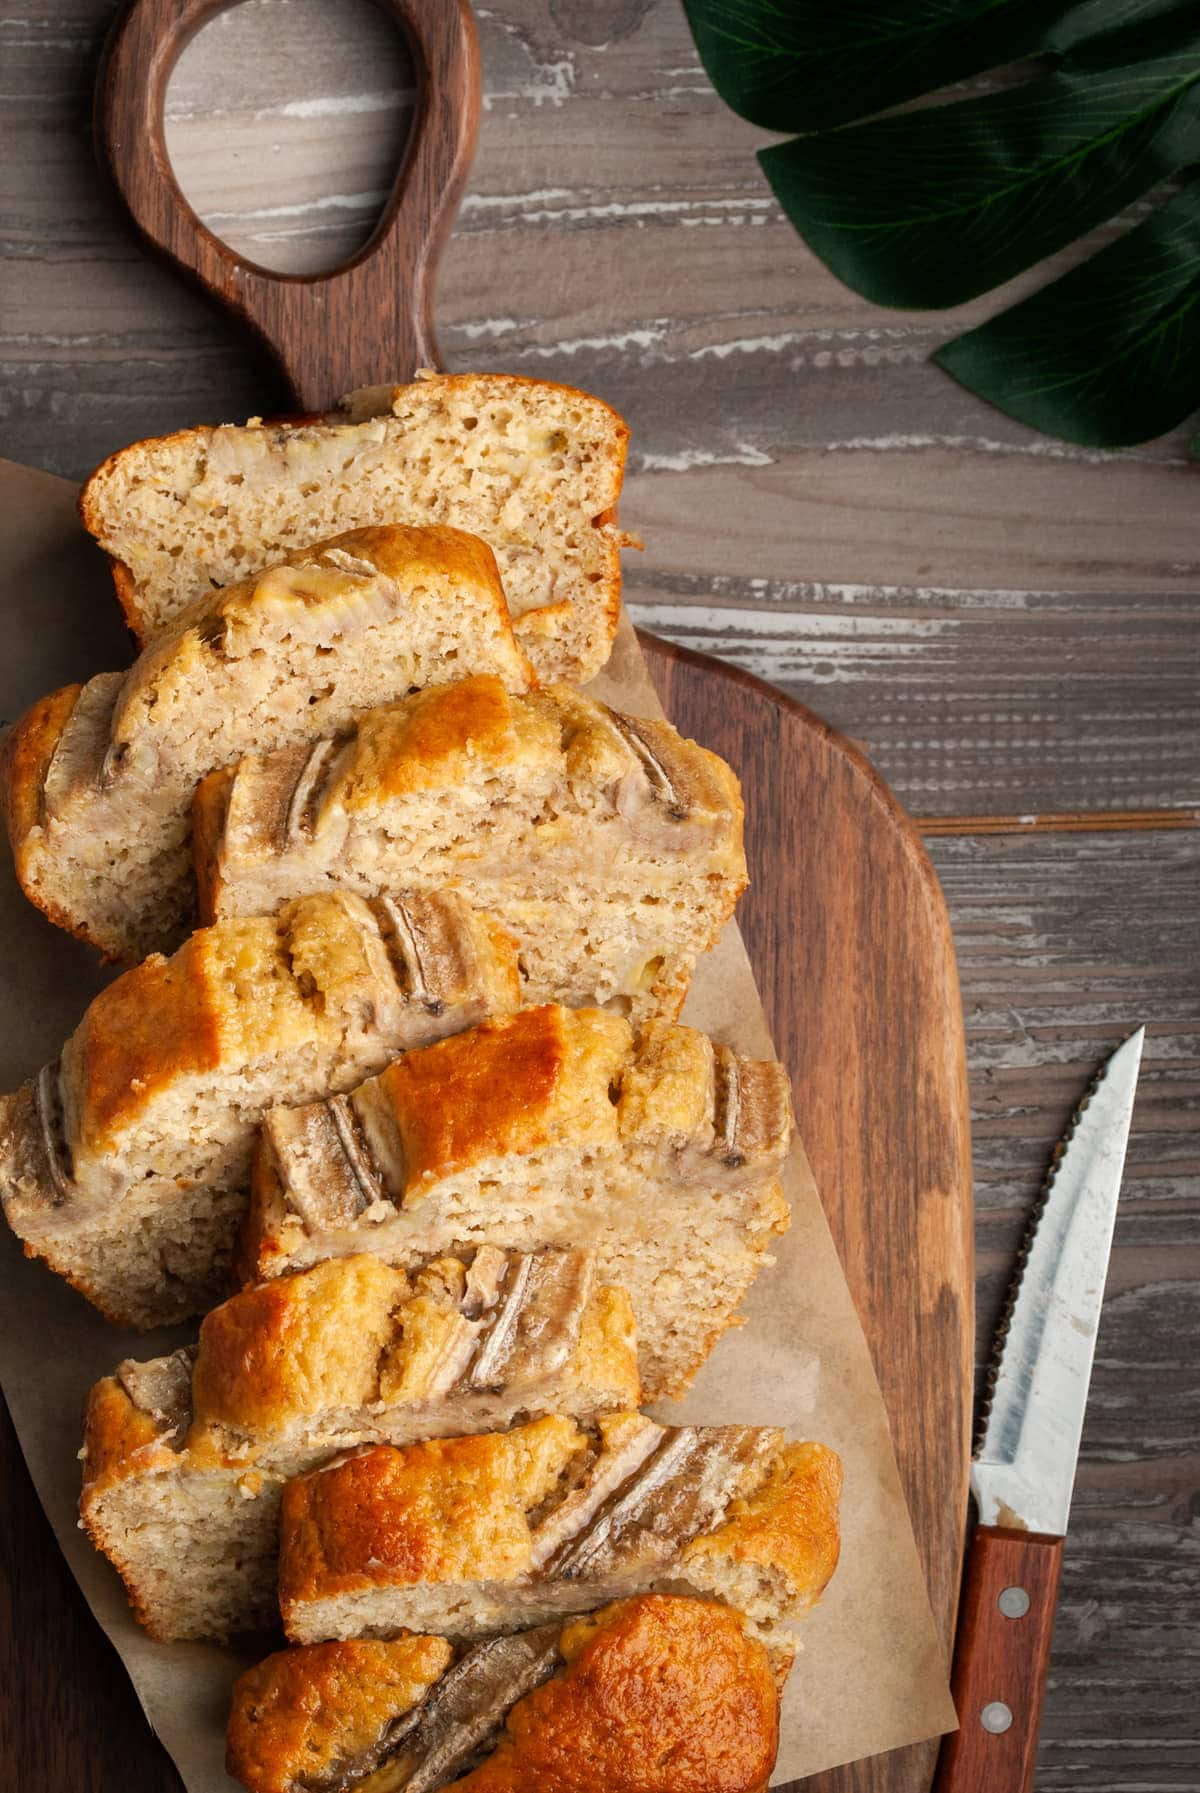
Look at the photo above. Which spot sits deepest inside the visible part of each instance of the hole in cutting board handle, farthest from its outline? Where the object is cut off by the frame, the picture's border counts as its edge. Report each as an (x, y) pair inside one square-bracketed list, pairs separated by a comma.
[(286, 125), (366, 321)]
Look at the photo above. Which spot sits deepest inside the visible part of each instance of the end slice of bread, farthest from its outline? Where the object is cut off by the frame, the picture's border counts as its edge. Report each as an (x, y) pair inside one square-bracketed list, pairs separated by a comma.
[(550, 1127), (125, 1164), (96, 782), (648, 1695), (608, 844), (185, 1457), (474, 1536), (534, 468)]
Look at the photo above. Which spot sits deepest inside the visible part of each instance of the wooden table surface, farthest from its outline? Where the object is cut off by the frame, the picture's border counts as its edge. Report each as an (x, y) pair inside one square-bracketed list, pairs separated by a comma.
[(1006, 623)]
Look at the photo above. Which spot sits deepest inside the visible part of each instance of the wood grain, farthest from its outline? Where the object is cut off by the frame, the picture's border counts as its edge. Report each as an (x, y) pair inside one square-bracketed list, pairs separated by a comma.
[(1093, 821), (1001, 1661), (971, 703), (324, 330)]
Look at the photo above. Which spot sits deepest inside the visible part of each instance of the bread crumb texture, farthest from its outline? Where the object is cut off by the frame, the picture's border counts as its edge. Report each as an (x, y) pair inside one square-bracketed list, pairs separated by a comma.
[(533, 468)]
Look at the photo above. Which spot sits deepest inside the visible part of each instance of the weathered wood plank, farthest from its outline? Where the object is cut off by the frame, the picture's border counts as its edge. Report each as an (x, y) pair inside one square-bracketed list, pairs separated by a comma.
[(976, 703), (618, 233)]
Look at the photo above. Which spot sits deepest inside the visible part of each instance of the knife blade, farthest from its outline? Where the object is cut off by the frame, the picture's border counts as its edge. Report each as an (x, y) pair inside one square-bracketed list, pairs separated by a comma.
[(1023, 1469)]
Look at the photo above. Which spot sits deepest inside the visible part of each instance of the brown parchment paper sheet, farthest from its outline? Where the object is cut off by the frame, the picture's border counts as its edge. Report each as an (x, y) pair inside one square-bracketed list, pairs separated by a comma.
[(870, 1675)]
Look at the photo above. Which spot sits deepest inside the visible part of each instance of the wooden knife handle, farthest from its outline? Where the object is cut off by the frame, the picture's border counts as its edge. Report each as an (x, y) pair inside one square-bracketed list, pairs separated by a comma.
[(366, 322), (1001, 1656)]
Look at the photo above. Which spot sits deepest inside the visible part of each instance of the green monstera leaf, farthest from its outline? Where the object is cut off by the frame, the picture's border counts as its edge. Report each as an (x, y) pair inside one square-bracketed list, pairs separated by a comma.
[(929, 207)]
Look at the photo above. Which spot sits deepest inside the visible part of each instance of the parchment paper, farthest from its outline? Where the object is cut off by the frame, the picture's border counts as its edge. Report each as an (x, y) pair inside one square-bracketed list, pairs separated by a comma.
[(870, 1676)]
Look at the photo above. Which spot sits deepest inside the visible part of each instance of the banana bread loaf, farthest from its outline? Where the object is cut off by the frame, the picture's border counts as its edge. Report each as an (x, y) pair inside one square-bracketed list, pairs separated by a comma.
[(185, 1457), (610, 846), (126, 1164), (550, 1127), (656, 1694), (533, 468), (96, 781), (472, 1536)]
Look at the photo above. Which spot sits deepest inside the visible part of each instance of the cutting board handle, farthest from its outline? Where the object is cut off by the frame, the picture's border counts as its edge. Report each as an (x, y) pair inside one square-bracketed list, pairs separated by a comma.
[(369, 320)]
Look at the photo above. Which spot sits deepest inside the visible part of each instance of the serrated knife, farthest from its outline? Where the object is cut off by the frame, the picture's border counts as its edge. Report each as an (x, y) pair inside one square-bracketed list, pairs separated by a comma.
[(1024, 1464)]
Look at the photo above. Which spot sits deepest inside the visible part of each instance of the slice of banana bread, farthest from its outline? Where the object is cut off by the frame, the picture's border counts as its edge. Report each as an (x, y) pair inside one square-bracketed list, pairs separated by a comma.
[(655, 1694), (533, 468), (185, 1457), (125, 1165), (609, 845), (96, 781), (473, 1536), (550, 1127)]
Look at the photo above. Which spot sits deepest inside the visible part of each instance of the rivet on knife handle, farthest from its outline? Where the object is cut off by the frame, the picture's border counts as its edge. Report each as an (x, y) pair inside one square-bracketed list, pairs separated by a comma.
[(1000, 1662)]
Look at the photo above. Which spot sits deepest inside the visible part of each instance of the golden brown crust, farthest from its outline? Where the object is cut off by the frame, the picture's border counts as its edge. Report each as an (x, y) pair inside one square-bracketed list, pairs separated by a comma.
[(317, 577), (352, 1331), (508, 1086), (658, 1694), (661, 1695), (119, 1439), (415, 745), (25, 758), (234, 992), (392, 1518), (156, 1023), (399, 550), (210, 805), (429, 1512), (789, 1523), (296, 1345), (301, 1712)]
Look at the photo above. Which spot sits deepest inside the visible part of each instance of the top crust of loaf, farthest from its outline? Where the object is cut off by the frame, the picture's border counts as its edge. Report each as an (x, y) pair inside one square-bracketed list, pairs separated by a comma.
[(278, 659), (515, 1084), (313, 986), (692, 1111), (289, 1361), (450, 1509), (300, 1710), (234, 991), (25, 757), (161, 1020), (326, 580), (789, 1523), (567, 620), (578, 792), (460, 1510), (351, 1331), (658, 1694), (512, 1089)]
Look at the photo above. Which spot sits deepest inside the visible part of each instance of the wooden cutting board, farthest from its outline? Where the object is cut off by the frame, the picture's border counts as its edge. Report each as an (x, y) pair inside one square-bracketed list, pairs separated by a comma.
[(844, 920)]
